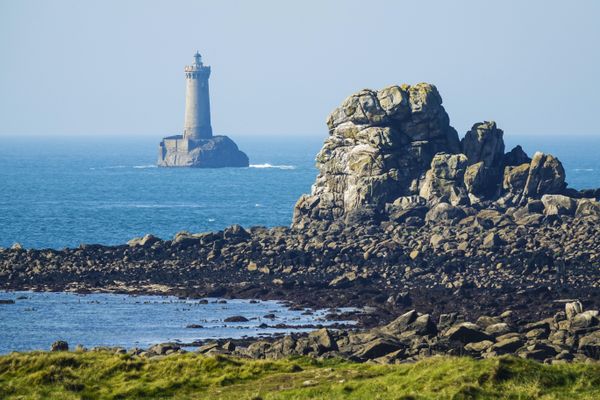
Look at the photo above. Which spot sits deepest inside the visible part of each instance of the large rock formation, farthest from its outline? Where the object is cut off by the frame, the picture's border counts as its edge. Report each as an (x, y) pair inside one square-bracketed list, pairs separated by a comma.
[(394, 149), (483, 147), (380, 144)]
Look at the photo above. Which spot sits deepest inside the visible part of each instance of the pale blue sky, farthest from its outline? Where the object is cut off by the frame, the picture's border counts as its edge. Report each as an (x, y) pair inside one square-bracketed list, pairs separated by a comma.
[(278, 67)]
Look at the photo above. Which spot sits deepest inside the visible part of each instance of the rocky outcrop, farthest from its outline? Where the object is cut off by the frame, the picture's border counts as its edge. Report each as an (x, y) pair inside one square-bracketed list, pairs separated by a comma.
[(380, 144), (216, 152), (543, 175), (483, 147), (484, 143), (397, 143), (516, 156), (444, 180), (546, 176)]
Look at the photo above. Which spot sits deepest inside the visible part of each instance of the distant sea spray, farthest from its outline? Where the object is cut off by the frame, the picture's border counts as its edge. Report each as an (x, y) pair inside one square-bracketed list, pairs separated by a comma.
[(125, 166), (267, 165), (259, 166)]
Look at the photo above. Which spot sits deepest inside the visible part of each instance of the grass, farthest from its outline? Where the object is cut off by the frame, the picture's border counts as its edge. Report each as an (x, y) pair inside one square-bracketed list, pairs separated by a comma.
[(103, 375)]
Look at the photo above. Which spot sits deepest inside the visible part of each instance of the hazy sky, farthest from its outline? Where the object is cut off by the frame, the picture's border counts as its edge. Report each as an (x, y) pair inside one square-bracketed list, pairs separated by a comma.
[(279, 67)]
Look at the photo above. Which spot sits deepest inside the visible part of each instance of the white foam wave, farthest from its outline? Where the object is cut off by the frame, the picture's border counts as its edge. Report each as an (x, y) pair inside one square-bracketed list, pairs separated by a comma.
[(110, 167), (125, 166), (267, 165), (144, 166), (150, 205), (584, 169), (165, 206)]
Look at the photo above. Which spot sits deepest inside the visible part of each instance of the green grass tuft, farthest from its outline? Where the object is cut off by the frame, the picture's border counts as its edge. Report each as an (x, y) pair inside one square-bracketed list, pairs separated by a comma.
[(103, 375)]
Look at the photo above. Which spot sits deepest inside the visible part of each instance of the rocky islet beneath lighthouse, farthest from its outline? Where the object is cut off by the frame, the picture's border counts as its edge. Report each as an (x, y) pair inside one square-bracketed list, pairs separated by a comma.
[(197, 147)]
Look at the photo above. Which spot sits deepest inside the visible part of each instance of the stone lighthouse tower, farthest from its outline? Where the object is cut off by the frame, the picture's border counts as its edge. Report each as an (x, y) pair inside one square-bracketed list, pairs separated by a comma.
[(197, 147), (197, 102)]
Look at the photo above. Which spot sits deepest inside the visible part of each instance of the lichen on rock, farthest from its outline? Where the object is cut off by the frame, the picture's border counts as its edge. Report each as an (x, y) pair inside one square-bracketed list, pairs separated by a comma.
[(380, 144), (397, 143)]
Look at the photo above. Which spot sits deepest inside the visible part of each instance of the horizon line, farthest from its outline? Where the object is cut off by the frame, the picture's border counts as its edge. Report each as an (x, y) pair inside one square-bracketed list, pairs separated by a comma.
[(266, 134)]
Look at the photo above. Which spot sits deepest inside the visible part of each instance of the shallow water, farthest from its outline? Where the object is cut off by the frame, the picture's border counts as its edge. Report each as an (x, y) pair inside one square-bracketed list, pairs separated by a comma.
[(36, 320)]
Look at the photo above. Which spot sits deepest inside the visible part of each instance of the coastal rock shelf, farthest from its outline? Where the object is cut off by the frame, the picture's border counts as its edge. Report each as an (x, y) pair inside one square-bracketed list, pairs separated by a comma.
[(480, 263)]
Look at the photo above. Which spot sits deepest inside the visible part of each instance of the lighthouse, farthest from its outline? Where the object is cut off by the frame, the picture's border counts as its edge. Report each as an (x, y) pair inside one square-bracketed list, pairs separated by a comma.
[(197, 102), (197, 147)]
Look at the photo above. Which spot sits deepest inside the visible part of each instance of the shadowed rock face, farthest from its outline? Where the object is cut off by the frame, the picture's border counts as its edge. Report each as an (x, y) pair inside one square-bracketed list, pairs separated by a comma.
[(386, 147), (483, 147)]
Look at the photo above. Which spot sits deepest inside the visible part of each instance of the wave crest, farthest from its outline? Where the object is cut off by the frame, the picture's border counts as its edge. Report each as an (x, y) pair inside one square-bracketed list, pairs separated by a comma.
[(124, 166), (267, 165), (145, 166)]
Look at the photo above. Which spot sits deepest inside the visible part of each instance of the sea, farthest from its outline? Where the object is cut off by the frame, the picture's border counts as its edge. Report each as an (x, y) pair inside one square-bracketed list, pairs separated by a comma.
[(62, 191), (58, 192)]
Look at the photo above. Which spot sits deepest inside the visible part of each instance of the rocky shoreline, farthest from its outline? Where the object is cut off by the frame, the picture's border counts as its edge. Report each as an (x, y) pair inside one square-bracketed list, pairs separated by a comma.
[(391, 270), (403, 216), (569, 335)]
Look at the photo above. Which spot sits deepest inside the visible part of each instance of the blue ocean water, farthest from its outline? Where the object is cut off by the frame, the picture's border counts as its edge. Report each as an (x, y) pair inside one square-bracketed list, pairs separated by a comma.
[(36, 320), (57, 192), (63, 191)]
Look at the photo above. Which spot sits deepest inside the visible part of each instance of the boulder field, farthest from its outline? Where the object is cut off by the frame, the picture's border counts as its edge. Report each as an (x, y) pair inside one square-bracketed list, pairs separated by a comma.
[(405, 219), (570, 334)]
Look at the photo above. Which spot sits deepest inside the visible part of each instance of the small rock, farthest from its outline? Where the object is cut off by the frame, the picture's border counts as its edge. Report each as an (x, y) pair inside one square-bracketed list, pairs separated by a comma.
[(252, 266), (228, 346), (498, 329), (573, 308), (377, 348), (59, 345), (466, 332), (492, 240), (584, 320), (414, 254), (236, 318), (162, 349), (509, 345), (590, 345), (479, 347)]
